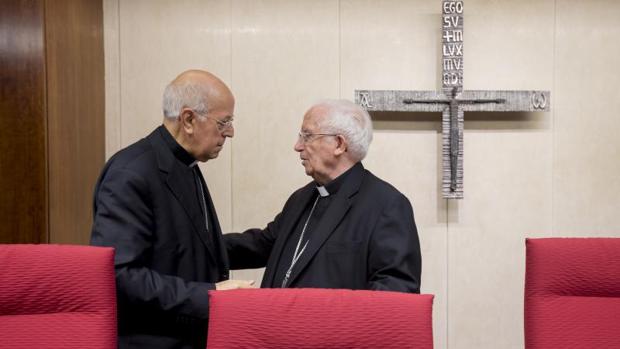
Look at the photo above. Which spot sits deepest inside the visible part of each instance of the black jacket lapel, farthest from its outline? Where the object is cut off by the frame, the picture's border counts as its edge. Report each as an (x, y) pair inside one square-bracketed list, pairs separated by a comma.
[(182, 189), (336, 212), (290, 218)]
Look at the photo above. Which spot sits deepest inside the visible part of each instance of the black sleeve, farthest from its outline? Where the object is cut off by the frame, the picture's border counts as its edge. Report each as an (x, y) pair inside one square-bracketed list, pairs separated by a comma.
[(123, 219), (394, 254), (251, 249)]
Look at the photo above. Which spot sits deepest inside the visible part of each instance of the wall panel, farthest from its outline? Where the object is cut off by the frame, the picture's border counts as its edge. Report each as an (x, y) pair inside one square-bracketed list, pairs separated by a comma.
[(23, 169), (76, 140), (586, 195), (157, 41), (51, 123), (284, 58)]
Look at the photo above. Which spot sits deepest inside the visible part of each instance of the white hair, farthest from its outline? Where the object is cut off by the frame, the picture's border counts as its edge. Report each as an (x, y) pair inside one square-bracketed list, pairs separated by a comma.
[(349, 120), (187, 94)]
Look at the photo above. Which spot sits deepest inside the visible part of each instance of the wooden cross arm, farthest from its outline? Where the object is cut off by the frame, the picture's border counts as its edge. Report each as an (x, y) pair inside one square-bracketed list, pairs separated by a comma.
[(504, 100)]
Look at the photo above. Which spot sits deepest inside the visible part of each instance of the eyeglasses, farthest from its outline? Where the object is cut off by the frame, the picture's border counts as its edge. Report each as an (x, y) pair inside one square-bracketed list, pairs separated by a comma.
[(222, 125), (306, 137)]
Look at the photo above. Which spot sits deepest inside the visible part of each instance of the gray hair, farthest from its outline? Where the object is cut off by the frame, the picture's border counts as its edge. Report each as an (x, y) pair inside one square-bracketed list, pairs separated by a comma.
[(186, 94), (349, 120)]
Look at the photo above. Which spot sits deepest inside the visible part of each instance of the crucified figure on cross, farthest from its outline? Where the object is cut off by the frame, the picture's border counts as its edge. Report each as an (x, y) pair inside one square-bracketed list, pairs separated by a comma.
[(452, 100), (453, 103)]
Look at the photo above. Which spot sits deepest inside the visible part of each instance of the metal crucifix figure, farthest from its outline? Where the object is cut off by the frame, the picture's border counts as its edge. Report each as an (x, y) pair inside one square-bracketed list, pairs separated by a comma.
[(454, 109), (452, 101)]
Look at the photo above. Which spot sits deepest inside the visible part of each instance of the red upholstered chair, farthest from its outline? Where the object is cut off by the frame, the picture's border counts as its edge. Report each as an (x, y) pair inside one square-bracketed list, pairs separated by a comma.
[(319, 318), (572, 293), (57, 296)]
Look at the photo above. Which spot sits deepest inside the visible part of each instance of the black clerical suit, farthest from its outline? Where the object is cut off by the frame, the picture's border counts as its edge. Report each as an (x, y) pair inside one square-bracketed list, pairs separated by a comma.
[(364, 238), (148, 206)]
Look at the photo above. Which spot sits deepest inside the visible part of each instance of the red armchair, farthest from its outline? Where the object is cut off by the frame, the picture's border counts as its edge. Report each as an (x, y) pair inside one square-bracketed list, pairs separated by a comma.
[(572, 293), (319, 318), (57, 296)]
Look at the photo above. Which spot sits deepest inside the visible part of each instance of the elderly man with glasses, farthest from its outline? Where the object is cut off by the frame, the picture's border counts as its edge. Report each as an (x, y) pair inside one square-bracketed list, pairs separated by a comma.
[(153, 206), (346, 228)]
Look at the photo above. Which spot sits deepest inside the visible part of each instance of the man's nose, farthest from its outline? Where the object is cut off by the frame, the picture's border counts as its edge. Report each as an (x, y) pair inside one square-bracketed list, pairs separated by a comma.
[(299, 145), (229, 132)]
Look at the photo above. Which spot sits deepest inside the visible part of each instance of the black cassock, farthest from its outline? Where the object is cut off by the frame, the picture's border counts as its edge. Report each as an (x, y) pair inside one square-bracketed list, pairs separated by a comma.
[(148, 208), (362, 237)]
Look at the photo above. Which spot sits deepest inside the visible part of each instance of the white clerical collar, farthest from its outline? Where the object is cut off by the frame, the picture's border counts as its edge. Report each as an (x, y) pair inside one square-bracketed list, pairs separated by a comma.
[(193, 163), (322, 191)]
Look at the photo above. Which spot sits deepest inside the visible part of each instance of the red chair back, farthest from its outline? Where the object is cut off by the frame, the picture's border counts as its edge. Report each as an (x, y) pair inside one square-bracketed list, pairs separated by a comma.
[(319, 318), (57, 296), (572, 293)]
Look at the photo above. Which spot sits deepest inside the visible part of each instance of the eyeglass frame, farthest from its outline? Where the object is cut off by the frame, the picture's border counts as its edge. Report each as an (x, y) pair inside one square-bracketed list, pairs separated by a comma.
[(305, 137), (220, 124)]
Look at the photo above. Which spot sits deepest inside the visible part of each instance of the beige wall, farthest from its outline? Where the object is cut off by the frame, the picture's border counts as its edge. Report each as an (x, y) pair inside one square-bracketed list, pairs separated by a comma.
[(526, 174)]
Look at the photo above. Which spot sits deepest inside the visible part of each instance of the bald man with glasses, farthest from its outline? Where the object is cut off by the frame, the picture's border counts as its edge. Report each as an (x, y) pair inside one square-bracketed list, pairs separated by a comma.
[(153, 206), (346, 228)]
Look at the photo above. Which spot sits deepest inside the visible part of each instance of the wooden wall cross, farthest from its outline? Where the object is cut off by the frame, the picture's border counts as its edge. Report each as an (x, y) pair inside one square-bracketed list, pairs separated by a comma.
[(452, 101)]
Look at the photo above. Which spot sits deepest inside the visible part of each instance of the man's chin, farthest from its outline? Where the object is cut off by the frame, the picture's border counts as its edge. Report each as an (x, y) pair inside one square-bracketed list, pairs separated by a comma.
[(215, 153), (209, 157)]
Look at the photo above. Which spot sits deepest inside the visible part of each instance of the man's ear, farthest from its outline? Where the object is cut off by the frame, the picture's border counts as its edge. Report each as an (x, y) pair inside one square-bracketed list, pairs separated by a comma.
[(187, 119), (341, 145)]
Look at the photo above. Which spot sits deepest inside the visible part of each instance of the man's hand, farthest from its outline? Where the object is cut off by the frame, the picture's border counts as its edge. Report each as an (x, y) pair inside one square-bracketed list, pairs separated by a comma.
[(233, 284)]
